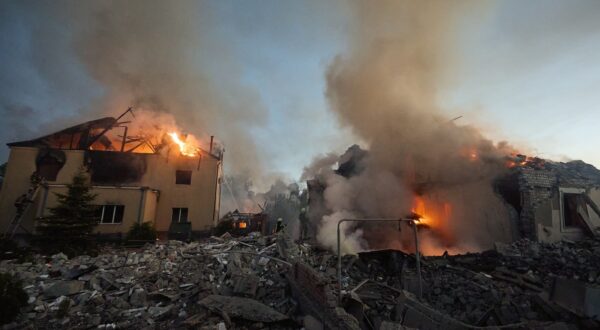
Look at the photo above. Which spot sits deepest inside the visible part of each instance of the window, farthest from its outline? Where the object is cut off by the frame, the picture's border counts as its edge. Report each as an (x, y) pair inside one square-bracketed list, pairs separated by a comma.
[(183, 177), (110, 213), (180, 215)]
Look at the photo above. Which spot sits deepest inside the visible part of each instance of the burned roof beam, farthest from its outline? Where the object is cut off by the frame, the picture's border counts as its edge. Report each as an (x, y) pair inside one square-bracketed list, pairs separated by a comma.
[(108, 128)]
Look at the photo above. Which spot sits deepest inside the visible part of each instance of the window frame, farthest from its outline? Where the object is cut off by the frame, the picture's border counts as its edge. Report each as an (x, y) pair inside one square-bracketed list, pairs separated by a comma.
[(179, 211), (562, 192), (115, 212)]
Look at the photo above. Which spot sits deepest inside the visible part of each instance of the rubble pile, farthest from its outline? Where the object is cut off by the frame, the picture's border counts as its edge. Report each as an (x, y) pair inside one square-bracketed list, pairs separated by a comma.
[(566, 259), (257, 282), (511, 285), (218, 283)]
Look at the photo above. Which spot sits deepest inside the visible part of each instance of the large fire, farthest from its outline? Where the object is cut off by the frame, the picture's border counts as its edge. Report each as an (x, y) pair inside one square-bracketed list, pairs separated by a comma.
[(435, 218), (186, 148)]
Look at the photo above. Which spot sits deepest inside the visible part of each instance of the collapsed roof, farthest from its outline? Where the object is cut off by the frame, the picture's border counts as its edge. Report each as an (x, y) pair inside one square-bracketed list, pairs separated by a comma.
[(88, 135)]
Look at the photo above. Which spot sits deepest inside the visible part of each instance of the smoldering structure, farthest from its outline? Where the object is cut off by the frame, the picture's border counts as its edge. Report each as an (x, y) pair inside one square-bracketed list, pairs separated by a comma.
[(385, 89), (141, 169), (531, 198)]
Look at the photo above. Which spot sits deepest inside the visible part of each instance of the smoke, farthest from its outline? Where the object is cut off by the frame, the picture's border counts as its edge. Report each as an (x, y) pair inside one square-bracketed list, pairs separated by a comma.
[(385, 88), (100, 57)]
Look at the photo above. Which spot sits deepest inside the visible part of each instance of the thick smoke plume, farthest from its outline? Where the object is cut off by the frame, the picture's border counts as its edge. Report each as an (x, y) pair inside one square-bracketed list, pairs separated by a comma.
[(100, 57), (385, 88)]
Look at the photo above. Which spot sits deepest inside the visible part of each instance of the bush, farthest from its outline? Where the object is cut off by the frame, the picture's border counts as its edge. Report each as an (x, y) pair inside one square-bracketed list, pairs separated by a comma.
[(12, 297), (9, 249), (223, 227), (142, 232)]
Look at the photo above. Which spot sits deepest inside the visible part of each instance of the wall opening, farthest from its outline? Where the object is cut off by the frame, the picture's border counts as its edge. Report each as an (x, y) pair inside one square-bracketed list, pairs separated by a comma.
[(573, 204), (183, 177), (49, 163)]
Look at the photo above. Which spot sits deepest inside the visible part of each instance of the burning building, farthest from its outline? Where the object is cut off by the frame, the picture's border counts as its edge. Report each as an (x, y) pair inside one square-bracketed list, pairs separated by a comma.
[(139, 174), (525, 197)]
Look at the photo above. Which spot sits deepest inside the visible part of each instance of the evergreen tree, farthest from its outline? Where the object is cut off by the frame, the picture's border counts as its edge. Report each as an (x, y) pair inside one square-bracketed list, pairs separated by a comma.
[(72, 220)]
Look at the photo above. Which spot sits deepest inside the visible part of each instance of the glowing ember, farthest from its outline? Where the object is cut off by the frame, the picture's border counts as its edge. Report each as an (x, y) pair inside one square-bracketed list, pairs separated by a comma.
[(518, 160), (473, 155), (186, 149)]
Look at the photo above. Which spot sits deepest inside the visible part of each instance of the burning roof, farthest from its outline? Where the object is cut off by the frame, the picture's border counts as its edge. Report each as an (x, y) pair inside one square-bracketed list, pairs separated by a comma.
[(115, 134), (82, 136)]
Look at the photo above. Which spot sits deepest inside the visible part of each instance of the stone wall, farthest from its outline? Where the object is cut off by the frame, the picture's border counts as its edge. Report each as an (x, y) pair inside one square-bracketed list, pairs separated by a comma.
[(536, 187)]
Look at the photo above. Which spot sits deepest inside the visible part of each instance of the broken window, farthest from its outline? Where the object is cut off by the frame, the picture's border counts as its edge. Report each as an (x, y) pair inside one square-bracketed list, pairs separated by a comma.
[(49, 163), (573, 204), (109, 214), (180, 215), (183, 177)]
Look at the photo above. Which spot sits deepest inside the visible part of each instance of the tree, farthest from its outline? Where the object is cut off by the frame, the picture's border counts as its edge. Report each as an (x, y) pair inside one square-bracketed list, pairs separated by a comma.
[(72, 220), (12, 297)]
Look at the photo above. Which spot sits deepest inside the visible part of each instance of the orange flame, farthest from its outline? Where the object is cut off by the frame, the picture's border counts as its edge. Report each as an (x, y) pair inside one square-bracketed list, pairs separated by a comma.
[(186, 149), (432, 214)]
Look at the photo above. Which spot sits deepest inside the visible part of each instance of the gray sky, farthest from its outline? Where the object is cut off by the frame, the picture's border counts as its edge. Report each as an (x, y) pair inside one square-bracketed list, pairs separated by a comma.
[(526, 72)]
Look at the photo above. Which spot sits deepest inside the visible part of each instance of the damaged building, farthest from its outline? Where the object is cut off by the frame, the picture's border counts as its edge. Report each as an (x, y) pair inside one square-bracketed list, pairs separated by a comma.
[(136, 178), (538, 199), (553, 200)]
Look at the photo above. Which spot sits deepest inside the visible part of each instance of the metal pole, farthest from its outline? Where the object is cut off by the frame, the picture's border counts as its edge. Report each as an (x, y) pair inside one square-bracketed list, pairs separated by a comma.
[(418, 256), (339, 252), (339, 263)]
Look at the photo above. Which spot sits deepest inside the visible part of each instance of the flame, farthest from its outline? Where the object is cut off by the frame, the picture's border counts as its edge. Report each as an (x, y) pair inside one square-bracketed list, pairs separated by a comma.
[(433, 214), (186, 149), (243, 225), (436, 217), (519, 160)]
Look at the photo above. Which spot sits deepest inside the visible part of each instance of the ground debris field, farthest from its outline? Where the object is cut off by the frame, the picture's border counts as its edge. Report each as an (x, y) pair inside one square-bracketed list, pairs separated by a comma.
[(271, 282)]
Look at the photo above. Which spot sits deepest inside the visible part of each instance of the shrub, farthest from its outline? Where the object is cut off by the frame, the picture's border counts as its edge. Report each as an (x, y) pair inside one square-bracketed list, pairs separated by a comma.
[(9, 249), (12, 297), (223, 227), (141, 232)]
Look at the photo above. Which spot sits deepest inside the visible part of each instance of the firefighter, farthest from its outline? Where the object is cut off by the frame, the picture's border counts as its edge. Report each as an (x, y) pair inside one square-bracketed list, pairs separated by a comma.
[(279, 225), (303, 224), (21, 204)]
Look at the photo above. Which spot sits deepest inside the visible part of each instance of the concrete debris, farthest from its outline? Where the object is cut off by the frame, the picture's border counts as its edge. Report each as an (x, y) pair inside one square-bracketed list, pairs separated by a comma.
[(245, 308), (64, 288), (257, 282), (509, 286), (159, 286)]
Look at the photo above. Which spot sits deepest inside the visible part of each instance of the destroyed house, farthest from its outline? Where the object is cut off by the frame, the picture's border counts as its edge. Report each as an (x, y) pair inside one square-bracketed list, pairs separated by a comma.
[(553, 200), (541, 200), (136, 179)]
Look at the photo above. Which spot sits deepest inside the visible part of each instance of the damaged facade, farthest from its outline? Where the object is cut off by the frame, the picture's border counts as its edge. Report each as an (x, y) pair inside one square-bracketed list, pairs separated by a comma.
[(136, 179), (553, 200)]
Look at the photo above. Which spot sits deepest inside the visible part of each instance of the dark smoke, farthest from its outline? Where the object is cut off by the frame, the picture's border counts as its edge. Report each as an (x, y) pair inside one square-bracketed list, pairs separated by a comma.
[(385, 88), (96, 58)]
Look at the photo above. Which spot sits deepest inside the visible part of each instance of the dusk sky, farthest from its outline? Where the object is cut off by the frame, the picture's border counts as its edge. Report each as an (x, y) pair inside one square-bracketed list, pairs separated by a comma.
[(522, 71)]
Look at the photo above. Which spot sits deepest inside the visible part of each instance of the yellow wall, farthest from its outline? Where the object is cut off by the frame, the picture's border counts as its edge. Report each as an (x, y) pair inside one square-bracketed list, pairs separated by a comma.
[(21, 165), (161, 192), (150, 206)]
